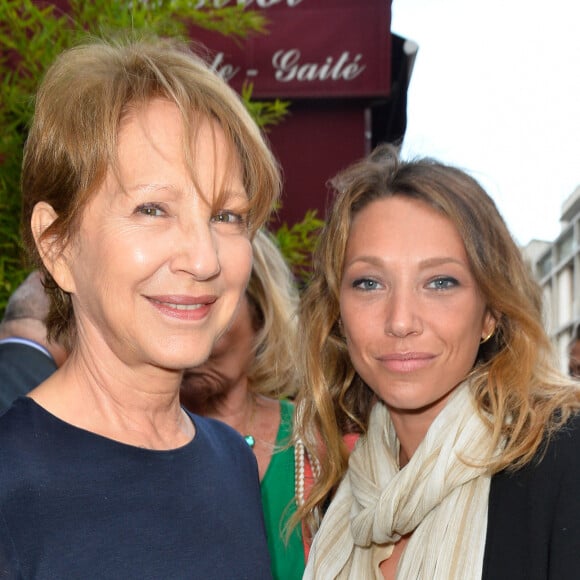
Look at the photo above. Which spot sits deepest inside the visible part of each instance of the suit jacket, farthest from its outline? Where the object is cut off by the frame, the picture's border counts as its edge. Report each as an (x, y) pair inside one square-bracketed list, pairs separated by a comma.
[(22, 367), (534, 515)]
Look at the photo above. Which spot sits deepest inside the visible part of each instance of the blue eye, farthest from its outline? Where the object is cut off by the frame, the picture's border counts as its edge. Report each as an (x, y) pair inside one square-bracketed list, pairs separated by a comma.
[(443, 283), (150, 210), (365, 284)]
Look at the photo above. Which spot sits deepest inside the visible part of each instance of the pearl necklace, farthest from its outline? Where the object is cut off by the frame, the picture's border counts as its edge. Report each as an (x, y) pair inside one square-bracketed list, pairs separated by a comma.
[(299, 472), (300, 454)]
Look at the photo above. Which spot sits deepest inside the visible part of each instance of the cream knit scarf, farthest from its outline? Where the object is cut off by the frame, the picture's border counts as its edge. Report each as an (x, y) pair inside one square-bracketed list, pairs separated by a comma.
[(437, 496)]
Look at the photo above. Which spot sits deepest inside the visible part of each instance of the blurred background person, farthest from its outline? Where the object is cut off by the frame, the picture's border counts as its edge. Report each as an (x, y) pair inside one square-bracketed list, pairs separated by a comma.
[(27, 357), (248, 382), (144, 180), (430, 333)]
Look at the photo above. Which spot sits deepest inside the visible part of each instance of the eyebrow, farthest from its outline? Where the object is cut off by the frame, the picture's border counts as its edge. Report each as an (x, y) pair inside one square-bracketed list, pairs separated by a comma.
[(235, 194), (228, 194), (151, 187), (427, 263), (441, 261)]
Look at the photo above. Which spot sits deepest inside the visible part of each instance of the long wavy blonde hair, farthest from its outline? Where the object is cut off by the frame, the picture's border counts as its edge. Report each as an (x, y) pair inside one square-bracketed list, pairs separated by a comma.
[(273, 296), (518, 388)]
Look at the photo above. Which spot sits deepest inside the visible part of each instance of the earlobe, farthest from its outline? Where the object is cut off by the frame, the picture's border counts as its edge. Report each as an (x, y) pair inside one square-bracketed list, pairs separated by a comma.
[(52, 253), (489, 326)]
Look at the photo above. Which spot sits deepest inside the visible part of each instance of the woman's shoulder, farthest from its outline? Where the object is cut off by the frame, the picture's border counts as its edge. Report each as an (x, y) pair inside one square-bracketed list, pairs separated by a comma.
[(542, 496), (219, 437), (213, 428), (564, 442), (556, 457), (15, 433), (23, 417)]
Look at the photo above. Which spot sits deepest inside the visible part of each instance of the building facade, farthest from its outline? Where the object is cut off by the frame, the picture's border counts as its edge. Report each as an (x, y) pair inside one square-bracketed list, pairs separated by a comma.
[(556, 265)]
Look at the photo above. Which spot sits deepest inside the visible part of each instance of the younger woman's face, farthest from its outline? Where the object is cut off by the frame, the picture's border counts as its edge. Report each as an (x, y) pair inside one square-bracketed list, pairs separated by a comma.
[(411, 310)]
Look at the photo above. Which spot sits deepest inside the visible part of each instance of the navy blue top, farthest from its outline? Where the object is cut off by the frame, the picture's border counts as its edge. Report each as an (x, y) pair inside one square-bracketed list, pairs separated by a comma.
[(77, 505)]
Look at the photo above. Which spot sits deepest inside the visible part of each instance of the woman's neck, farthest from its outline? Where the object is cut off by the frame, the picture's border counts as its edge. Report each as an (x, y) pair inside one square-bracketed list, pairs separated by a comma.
[(136, 408), (235, 407), (411, 430)]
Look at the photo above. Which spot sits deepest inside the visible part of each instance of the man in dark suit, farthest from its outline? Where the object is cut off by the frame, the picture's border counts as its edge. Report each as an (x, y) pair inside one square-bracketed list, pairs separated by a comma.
[(26, 356)]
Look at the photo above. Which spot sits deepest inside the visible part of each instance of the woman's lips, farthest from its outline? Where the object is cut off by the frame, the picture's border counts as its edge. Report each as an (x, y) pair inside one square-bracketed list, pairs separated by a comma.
[(183, 307), (406, 362)]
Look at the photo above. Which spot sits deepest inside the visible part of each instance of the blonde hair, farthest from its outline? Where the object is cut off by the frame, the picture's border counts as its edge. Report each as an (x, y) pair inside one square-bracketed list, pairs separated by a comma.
[(273, 297), (80, 105), (516, 380)]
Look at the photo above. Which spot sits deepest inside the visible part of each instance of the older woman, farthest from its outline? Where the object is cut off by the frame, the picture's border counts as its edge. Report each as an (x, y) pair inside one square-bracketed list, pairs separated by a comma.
[(144, 180), (247, 382), (430, 336)]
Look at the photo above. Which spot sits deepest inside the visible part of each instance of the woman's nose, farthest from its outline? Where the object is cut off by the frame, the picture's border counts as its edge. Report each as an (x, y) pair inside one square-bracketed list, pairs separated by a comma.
[(402, 314), (198, 252)]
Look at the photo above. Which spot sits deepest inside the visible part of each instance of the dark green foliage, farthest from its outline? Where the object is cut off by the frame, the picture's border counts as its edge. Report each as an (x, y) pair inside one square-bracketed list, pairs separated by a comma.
[(297, 244), (265, 113)]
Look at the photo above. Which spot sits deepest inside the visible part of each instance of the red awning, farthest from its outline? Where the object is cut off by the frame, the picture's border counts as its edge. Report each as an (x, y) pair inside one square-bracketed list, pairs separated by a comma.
[(314, 48)]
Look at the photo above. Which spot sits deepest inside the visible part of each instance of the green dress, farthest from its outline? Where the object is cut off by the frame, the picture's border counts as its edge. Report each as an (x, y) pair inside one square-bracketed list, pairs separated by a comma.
[(278, 502)]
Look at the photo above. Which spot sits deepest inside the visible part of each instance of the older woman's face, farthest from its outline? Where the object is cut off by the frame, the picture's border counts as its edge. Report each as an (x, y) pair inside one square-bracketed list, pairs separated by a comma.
[(155, 273), (411, 310)]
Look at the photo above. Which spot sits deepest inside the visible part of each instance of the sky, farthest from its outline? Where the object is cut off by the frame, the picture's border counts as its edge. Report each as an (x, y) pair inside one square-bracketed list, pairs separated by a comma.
[(495, 90)]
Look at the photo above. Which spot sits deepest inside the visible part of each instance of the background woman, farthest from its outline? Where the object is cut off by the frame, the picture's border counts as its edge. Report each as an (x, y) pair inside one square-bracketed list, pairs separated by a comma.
[(144, 180), (247, 382), (423, 326)]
